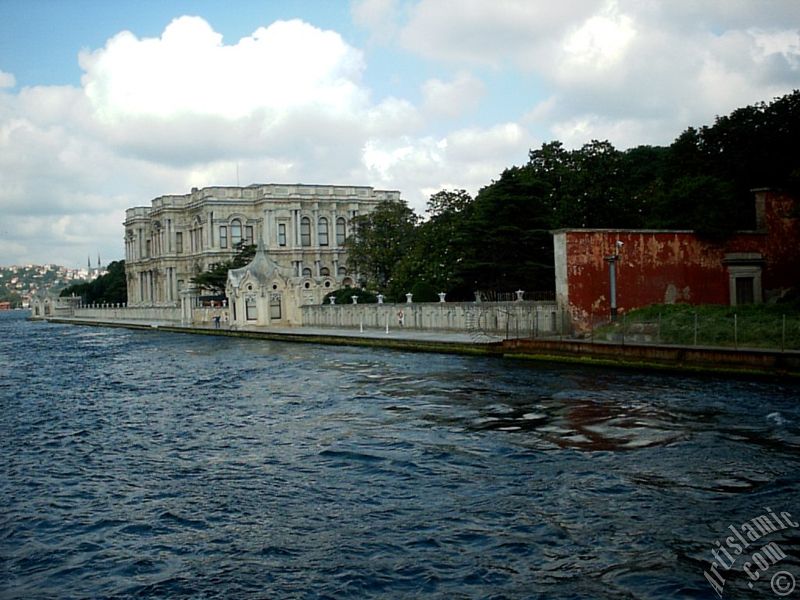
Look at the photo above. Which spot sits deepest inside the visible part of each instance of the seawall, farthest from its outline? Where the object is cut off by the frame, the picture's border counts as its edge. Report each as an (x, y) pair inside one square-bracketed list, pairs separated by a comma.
[(690, 359), (667, 357)]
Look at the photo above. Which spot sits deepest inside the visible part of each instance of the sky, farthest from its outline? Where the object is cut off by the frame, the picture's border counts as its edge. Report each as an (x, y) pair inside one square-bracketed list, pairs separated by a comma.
[(108, 105)]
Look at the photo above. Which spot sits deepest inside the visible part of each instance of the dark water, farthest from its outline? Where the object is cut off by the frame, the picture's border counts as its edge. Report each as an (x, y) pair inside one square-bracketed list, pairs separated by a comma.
[(147, 464)]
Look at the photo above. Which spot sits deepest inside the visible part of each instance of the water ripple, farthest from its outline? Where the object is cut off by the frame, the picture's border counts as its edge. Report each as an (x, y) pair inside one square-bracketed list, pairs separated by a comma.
[(149, 465)]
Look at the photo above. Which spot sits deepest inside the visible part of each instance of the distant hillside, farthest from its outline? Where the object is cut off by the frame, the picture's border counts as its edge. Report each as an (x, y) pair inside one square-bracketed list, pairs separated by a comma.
[(17, 283)]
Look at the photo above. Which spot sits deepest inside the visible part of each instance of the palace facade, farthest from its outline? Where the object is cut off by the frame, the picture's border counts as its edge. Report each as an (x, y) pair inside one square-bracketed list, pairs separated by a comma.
[(301, 228)]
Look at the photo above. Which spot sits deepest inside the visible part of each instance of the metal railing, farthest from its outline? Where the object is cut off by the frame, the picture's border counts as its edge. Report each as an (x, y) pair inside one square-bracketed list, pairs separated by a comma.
[(736, 329)]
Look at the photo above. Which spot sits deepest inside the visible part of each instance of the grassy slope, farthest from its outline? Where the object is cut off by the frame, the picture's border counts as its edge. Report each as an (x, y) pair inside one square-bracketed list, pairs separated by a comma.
[(752, 326)]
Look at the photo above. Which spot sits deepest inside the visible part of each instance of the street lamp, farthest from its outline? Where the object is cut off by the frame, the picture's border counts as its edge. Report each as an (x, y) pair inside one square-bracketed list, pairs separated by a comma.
[(612, 277)]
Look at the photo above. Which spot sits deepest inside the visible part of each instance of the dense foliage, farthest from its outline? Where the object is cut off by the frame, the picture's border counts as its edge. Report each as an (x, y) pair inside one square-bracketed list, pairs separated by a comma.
[(382, 238), (500, 240), (345, 296), (110, 288)]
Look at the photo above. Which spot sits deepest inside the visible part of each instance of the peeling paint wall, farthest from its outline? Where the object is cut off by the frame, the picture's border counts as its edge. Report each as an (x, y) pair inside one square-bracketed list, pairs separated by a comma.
[(657, 267)]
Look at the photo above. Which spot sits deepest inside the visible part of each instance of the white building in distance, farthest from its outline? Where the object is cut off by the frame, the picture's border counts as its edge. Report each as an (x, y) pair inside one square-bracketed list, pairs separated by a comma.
[(300, 228)]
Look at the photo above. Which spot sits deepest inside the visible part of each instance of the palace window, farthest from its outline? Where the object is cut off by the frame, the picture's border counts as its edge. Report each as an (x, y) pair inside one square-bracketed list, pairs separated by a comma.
[(325, 271), (281, 234), (223, 236), (342, 271), (341, 231), (197, 235), (306, 272), (322, 231), (250, 309), (275, 306), (179, 242), (305, 231), (236, 233), (248, 235)]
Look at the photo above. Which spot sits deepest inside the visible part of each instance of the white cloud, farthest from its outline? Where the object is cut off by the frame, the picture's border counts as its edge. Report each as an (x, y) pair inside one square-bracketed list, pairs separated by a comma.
[(601, 41), (467, 158), (453, 98), (489, 33), (160, 115), (291, 102), (285, 67), (7, 80), (379, 16), (646, 69)]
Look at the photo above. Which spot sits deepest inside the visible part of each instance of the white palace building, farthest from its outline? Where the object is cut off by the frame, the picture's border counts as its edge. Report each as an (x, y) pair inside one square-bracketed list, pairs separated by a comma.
[(300, 231)]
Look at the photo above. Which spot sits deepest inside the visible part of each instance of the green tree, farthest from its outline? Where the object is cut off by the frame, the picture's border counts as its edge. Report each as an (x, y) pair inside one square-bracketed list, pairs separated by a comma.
[(439, 246), (382, 239), (642, 182), (508, 228), (422, 291), (345, 295), (215, 279), (501, 241), (111, 288)]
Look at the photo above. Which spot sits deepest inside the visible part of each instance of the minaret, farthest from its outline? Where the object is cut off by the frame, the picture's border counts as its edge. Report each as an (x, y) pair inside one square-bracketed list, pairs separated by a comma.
[(89, 264)]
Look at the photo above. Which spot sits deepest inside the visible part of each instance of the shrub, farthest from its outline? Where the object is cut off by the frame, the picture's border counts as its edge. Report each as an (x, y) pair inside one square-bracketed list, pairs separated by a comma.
[(424, 292), (344, 295)]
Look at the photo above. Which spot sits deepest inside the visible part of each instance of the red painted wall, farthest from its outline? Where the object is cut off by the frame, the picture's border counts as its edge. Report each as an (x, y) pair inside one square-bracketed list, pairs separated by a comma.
[(781, 248), (658, 267)]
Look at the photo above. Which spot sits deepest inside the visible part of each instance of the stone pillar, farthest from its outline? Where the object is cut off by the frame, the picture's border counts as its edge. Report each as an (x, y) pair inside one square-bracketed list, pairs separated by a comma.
[(409, 295), (441, 296)]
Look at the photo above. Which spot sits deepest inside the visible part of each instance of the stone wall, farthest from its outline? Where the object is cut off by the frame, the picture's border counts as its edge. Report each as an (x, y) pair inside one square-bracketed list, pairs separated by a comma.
[(517, 319), (170, 314)]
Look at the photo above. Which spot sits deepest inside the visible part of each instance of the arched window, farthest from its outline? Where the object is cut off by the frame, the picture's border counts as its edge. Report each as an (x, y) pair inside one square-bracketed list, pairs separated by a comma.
[(305, 231), (342, 271), (306, 272), (341, 231), (322, 231), (236, 232), (275, 306), (325, 272)]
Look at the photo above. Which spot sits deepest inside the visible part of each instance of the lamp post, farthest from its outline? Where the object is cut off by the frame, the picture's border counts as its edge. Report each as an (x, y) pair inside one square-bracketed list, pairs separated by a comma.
[(612, 278)]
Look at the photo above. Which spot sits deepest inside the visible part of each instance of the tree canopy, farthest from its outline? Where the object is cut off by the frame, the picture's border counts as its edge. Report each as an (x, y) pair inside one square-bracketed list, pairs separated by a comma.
[(215, 279), (381, 240), (111, 288), (500, 240)]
